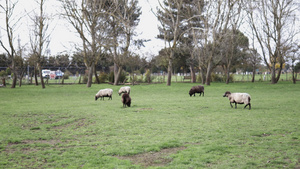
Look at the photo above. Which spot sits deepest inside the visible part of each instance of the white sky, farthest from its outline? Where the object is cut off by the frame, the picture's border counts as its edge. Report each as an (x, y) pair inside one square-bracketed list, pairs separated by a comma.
[(63, 36)]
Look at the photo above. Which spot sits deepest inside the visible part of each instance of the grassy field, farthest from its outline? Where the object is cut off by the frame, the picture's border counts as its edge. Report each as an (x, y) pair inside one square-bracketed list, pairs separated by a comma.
[(64, 127)]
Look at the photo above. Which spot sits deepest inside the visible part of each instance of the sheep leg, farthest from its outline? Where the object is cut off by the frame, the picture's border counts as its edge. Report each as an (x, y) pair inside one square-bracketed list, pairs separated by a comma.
[(231, 104), (235, 104), (249, 106)]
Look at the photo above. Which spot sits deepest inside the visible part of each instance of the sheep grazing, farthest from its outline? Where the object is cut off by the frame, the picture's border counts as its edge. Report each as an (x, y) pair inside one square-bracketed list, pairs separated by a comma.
[(196, 89), (124, 89), (126, 100), (238, 98), (104, 93)]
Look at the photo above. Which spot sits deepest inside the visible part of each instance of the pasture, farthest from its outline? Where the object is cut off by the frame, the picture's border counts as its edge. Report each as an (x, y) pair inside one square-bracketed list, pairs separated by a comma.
[(64, 127)]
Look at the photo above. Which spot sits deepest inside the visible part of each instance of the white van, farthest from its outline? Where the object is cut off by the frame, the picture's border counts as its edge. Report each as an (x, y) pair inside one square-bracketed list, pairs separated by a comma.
[(45, 73)]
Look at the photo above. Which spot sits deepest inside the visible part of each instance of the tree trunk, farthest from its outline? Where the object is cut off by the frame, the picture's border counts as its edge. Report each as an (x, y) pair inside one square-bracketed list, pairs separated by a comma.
[(63, 80), (170, 68), (203, 78), (96, 76), (227, 74), (279, 73), (79, 81), (293, 73), (169, 73), (253, 75), (208, 74), (13, 85), (35, 77), (41, 76), (21, 77), (31, 75), (193, 75), (273, 74), (3, 82), (117, 76), (90, 76)]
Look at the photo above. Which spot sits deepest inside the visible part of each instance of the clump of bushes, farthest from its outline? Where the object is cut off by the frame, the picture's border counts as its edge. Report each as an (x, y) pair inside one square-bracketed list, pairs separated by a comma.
[(148, 76), (67, 74), (221, 78), (111, 77), (103, 77)]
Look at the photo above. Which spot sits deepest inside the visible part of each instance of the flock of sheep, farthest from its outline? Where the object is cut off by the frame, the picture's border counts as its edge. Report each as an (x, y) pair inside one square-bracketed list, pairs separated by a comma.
[(237, 98), (126, 100)]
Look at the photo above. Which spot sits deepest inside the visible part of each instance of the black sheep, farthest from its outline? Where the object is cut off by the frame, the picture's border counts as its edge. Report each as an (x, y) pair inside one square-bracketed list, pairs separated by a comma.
[(197, 89), (126, 100)]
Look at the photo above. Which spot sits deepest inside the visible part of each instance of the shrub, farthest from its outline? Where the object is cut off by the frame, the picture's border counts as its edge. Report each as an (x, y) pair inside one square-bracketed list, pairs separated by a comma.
[(111, 77), (103, 77), (122, 77), (3, 73), (8, 71), (216, 78), (199, 78), (221, 78), (84, 79), (141, 79), (148, 76), (67, 74)]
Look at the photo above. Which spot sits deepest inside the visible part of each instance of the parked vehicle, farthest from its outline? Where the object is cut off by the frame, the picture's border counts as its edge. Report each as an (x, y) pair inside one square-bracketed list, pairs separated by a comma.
[(46, 73), (59, 74)]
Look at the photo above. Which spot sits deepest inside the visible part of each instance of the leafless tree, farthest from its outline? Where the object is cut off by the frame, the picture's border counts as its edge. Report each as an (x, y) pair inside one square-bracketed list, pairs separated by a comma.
[(216, 19), (253, 60), (122, 19), (10, 26), (86, 18), (272, 22), (293, 57), (170, 17), (39, 39)]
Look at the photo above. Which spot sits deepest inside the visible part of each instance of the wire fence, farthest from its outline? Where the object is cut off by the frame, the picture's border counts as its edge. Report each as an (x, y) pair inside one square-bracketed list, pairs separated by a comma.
[(155, 78)]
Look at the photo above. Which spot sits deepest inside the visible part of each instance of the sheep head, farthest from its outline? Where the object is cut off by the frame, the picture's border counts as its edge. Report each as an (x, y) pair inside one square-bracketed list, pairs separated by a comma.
[(226, 94)]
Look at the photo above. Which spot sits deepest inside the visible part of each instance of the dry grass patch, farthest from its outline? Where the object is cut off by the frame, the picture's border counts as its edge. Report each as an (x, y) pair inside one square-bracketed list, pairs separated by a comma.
[(160, 158)]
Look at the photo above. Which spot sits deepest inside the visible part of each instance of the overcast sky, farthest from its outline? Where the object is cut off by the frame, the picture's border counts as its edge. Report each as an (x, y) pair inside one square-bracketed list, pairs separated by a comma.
[(63, 36)]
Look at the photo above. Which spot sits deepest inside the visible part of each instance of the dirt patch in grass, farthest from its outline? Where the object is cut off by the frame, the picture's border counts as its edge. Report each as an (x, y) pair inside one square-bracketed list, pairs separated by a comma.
[(143, 109), (78, 123), (24, 145), (160, 158)]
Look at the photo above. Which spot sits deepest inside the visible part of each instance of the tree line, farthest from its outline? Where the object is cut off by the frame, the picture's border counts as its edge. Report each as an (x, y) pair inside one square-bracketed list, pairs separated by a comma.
[(199, 35)]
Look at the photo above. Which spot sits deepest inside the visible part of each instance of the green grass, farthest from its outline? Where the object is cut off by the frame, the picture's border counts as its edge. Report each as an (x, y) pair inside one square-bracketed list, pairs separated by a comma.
[(64, 127)]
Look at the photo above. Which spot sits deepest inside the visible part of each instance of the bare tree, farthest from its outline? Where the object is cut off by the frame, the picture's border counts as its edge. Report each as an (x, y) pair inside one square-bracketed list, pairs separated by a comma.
[(86, 18), (272, 22), (294, 56), (216, 18), (39, 39), (170, 17), (191, 38), (122, 20), (253, 60), (10, 25)]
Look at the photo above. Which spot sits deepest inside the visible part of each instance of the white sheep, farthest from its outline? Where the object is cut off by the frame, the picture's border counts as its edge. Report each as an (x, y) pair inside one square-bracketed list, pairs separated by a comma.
[(124, 89), (104, 93), (238, 98)]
